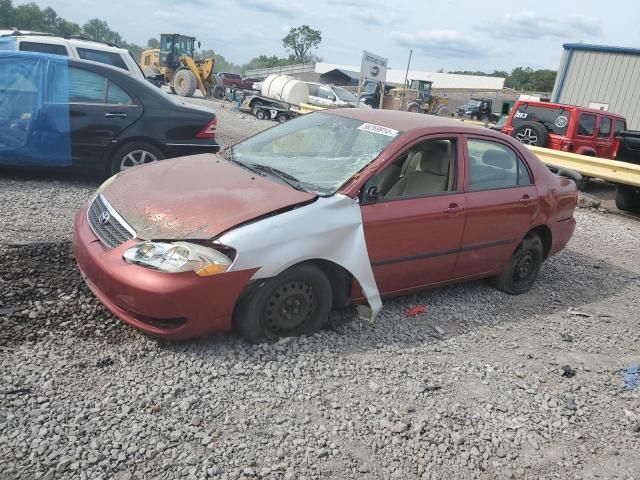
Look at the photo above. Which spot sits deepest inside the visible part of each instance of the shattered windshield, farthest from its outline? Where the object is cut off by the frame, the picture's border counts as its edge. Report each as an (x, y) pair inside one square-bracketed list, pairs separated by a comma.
[(316, 152)]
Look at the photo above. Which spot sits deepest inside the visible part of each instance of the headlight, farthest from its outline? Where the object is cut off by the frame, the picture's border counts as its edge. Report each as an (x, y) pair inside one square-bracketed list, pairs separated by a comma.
[(179, 257)]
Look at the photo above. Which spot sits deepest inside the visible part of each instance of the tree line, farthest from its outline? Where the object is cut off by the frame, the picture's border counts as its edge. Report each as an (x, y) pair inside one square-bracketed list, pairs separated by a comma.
[(522, 78)]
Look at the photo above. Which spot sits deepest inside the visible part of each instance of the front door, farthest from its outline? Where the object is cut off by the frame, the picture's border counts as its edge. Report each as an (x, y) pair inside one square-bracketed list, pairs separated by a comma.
[(501, 203), (414, 228)]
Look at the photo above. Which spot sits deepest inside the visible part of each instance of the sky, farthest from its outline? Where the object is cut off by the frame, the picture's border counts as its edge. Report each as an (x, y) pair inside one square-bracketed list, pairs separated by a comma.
[(448, 34)]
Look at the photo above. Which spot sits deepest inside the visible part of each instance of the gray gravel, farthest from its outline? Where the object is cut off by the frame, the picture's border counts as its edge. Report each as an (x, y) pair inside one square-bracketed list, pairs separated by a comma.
[(474, 388)]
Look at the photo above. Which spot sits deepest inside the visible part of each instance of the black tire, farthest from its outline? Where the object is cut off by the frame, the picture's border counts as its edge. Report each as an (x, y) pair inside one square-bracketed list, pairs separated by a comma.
[(628, 199), (296, 302), (414, 108), (185, 83), (255, 105), (523, 267), (281, 118), (443, 112), (531, 133), (262, 114), (218, 92), (122, 157)]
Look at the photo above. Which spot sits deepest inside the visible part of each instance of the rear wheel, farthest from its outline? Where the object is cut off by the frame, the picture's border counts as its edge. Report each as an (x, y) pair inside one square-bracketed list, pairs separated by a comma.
[(523, 267), (296, 302), (443, 112), (218, 92), (185, 83), (281, 118), (134, 154), (628, 199), (262, 114)]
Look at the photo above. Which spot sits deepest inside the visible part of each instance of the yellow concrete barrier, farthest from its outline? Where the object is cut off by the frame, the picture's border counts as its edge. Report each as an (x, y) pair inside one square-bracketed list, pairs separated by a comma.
[(610, 170)]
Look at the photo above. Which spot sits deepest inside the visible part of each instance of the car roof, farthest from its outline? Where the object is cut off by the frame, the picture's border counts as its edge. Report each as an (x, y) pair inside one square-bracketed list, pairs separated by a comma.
[(48, 37), (570, 107), (64, 60), (407, 121)]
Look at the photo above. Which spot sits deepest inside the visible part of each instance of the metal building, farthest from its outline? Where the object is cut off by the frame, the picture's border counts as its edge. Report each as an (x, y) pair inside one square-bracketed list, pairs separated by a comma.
[(601, 77)]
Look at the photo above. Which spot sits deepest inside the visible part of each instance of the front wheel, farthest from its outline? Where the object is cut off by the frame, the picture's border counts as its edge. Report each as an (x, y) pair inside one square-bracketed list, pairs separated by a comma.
[(628, 199), (134, 154), (296, 302), (523, 267), (262, 114)]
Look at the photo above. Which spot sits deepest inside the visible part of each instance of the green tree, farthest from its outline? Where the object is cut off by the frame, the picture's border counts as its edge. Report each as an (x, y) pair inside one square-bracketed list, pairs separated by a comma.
[(7, 14), (153, 43), (300, 41), (99, 30)]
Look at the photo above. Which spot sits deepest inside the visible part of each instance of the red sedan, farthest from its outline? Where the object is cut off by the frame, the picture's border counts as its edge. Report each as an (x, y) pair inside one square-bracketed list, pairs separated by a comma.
[(309, 217)]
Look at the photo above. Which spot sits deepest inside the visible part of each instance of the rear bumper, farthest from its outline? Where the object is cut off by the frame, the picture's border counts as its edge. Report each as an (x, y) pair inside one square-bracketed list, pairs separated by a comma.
[(561, 233), (173, 306), (191, 147)]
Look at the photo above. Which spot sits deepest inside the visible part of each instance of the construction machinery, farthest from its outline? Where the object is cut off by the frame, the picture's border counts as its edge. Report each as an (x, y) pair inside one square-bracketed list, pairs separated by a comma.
[(416, 98), (175, 64)]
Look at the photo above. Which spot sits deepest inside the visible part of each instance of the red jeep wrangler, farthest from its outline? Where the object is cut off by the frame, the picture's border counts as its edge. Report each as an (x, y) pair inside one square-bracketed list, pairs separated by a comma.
[(569, 128)]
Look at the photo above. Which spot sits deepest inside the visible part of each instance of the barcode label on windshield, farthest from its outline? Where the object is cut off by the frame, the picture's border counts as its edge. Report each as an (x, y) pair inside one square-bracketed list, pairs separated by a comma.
[(370, 127)]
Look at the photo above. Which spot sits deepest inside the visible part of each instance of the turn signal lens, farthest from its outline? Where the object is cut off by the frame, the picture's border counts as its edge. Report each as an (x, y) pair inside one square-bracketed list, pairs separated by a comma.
[(211, 269)]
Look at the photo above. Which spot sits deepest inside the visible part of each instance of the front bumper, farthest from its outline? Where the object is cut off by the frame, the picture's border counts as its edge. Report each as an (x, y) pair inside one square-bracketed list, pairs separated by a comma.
[(175, 306)]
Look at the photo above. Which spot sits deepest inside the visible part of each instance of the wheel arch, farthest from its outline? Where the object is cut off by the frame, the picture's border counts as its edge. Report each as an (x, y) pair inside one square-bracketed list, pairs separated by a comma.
[(544, 233)]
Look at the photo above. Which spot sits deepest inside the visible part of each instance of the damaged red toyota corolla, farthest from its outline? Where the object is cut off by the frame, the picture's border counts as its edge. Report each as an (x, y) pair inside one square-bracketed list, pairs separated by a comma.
[(309, 217)]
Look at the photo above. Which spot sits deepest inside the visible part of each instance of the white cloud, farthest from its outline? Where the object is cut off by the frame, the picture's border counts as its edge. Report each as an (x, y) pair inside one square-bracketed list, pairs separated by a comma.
[(277, 7), (531, 25), (441, 43)]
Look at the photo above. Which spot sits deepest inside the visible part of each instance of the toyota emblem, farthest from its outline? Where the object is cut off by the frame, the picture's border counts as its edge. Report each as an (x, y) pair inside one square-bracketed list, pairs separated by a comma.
[(104, 218)]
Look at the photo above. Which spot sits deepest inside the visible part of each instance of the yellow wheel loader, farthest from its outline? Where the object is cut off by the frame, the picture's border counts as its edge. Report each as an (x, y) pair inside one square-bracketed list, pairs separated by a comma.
[(174, 64), (417, 98)]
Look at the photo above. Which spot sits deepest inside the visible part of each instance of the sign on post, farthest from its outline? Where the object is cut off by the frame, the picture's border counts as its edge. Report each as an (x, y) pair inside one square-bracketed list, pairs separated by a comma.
[(373, 68)]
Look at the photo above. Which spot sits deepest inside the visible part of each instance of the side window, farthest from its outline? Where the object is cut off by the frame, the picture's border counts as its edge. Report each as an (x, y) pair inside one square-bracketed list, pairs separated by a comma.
[(493, 166), (116, 95), (44, 48), (313, 89), (324, 92), (587, 125), (427, 168), (109, 58), (620, 127), (86, 86), (605, 127)]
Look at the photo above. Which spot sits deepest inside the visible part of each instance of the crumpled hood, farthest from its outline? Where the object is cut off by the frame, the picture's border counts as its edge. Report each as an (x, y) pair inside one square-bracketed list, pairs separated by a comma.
[(196, 197)]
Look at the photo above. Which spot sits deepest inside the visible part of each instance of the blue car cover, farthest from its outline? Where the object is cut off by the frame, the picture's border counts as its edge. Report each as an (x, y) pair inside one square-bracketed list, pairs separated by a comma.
[(34, 109)]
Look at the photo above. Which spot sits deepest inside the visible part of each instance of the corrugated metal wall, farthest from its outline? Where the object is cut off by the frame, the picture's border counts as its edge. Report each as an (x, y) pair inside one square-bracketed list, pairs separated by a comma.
[(610, 78)]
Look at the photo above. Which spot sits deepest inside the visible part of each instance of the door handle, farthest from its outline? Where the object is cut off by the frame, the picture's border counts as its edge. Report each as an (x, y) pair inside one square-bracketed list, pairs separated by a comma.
[(526, 200), (115, 114), (454, 208)]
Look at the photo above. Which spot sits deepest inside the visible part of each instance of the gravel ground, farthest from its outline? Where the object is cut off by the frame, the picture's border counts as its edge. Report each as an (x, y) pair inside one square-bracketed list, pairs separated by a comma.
[(483, 385)]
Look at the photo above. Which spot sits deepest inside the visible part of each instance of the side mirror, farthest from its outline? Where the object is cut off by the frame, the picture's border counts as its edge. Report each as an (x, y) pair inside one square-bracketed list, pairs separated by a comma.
[(372, 190)]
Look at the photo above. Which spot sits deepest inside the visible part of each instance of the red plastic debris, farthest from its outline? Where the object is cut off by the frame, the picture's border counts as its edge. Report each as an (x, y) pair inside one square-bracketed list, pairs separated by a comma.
[(415, 311)]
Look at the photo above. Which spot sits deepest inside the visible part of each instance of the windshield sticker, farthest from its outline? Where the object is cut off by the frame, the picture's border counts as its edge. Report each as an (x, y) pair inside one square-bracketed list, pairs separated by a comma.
[(521, 115), (561, 121), (370, 127)]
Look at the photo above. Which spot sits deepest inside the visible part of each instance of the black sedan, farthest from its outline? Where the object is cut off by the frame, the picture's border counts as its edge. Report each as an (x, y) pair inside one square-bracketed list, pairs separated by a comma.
[(60, 112)]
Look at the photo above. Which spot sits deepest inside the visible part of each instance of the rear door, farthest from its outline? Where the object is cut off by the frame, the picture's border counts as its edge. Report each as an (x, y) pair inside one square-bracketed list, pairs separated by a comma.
[(100, 110), (501, 202)]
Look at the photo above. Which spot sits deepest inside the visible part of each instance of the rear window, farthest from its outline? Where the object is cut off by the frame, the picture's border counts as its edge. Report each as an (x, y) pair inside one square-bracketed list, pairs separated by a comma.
[(556, 120), (44, 48), (109, 58)]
